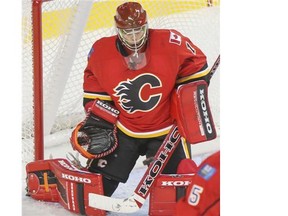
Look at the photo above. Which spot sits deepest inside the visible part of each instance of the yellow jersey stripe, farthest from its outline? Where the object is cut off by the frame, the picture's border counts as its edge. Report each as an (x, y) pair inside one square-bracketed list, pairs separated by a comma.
[(150, 134), (99, 96), (194, 76)]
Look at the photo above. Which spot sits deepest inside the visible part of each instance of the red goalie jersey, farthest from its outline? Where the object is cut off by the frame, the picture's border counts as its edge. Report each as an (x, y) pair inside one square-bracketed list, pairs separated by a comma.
[(203, 195), (143, 95)]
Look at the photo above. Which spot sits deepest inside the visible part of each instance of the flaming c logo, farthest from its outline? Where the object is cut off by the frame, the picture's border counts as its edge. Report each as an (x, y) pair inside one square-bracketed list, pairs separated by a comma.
[(133, 97)]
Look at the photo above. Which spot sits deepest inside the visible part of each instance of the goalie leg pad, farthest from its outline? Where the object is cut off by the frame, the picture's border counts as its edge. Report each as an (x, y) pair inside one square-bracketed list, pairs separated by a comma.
[(41, 182), (71, 185), (167, 190), (74, 186), (190, 108)]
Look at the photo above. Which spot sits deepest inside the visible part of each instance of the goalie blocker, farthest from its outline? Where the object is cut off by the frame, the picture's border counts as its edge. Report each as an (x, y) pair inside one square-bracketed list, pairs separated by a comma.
[(191, 110), (56, 180)]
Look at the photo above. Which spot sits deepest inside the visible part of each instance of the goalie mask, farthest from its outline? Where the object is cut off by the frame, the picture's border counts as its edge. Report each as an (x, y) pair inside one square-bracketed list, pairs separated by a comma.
[(132, 30)]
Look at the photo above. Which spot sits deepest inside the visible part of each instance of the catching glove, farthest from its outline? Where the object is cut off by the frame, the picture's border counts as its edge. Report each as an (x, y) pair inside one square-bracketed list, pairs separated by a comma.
[(95, 137)]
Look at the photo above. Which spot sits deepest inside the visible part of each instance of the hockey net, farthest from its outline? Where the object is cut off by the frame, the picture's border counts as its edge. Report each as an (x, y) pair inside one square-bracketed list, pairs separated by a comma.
[(69, 28)]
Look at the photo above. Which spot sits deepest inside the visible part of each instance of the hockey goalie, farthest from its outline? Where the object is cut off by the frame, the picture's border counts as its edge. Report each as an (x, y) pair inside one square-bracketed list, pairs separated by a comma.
[(57, 180), (128, 86)]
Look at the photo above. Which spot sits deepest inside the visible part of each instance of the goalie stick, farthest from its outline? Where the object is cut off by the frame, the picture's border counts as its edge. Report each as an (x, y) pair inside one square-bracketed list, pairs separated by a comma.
[(137, 199)]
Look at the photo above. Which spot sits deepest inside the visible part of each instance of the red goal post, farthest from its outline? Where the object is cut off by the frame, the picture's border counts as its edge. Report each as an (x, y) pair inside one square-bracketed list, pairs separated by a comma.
[(57, 36)]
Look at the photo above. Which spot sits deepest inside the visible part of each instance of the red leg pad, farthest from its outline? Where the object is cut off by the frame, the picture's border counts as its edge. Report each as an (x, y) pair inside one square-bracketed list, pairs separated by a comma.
[(167, 190), (41, 182), (57, 180), (74, 186)]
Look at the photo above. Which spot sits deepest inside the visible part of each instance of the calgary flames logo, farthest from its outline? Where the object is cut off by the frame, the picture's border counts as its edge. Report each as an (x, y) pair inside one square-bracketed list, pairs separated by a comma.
[(139, 94)]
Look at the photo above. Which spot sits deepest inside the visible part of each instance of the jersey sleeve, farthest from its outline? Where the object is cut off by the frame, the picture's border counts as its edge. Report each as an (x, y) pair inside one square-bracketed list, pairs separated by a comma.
[(91, 87), (203, 194), (192, 60)]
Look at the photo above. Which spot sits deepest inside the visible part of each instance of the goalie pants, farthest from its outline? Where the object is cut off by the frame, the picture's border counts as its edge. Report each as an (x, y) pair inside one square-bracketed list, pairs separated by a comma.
[(117, 166)]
